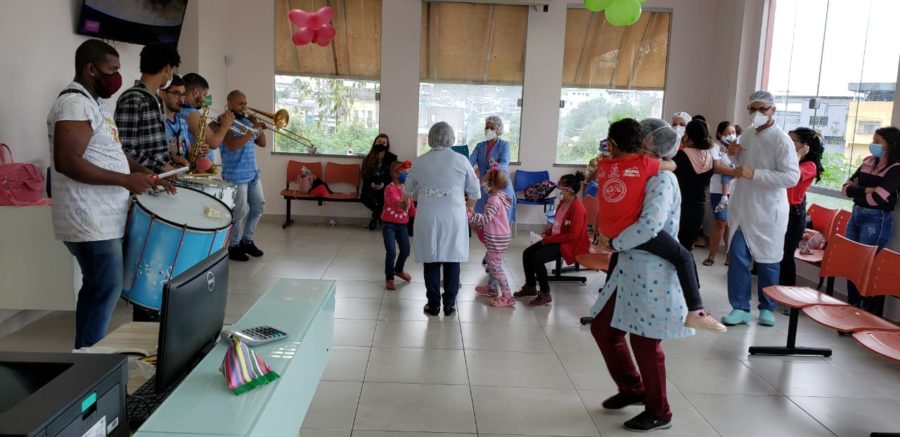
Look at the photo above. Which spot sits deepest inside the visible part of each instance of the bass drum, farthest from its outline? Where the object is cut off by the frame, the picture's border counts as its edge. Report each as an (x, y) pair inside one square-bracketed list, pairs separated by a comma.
[(168, 234), (224, 191)]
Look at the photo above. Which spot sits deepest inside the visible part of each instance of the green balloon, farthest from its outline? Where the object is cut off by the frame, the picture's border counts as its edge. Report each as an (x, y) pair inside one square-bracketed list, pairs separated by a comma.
[(623, 12), (597, 5)]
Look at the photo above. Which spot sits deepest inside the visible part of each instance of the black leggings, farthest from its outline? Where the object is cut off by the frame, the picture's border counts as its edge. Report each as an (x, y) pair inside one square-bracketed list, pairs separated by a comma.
[(533, 260), (691, 224), (795, 228), (668, 248)]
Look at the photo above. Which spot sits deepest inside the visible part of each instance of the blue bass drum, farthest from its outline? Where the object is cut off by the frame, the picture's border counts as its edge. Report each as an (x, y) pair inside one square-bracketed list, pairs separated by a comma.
[(168, 234)]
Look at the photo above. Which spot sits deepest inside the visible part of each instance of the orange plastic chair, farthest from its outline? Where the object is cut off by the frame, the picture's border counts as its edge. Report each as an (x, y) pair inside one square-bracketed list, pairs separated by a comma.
[(843, 258), (598, 261), (884, 343), (294, 168), (883, 278), (821, 217), (343, 174), (828, 222), (839, 225)]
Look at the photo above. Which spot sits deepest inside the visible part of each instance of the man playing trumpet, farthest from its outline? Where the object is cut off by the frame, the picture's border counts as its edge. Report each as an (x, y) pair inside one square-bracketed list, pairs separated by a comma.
[(239, 168)]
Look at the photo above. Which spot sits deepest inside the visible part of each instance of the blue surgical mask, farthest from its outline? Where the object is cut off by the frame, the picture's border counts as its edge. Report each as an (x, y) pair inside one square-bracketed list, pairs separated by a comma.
[(876, 150), (402, 177)]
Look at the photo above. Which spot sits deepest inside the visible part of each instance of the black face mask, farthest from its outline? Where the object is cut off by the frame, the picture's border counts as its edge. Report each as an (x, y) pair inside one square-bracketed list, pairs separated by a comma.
[(380, 148)]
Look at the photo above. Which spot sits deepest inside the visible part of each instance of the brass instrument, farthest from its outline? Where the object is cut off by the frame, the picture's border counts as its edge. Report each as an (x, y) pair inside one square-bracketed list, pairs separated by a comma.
[(236, 127), (278, 122), (199, 140)]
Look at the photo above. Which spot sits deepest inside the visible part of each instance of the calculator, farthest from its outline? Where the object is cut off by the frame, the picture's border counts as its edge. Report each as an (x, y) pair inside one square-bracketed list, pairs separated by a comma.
[(257, 335)]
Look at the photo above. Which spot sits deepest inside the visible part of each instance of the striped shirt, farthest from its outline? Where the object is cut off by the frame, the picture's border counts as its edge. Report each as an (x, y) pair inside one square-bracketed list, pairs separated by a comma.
[(873, 173), (141, 120), (494, 222)]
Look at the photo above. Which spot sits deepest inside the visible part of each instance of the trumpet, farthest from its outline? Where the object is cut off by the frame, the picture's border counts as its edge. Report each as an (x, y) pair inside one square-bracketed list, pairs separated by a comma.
[(277, 123)]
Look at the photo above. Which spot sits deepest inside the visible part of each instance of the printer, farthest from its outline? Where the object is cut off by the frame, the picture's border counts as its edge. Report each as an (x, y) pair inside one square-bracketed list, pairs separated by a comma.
[(69, 394)]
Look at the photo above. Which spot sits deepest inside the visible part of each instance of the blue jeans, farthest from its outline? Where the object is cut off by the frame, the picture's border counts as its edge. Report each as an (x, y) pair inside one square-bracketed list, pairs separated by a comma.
[(245, 221), (102, 269), (433, 284), (740, 281), (394, 234), (872, 227)]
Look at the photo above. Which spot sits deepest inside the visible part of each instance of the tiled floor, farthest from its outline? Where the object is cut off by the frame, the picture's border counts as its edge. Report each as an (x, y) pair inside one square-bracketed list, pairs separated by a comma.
[(491, 372)]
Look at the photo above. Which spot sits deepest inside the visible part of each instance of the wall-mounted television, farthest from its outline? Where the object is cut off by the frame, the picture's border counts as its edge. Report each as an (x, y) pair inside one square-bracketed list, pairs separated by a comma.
[(135, 21)]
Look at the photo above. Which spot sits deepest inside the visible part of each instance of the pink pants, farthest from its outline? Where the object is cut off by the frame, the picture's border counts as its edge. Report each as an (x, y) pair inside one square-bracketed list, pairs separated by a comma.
[(495, 270)]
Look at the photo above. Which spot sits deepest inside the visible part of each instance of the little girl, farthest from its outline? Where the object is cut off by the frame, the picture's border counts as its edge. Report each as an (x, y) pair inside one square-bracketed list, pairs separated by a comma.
[(494, 226), (395, 217)]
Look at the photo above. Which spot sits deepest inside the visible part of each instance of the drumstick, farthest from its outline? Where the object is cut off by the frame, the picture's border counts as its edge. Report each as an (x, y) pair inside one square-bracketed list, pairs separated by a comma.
[(170, 173)]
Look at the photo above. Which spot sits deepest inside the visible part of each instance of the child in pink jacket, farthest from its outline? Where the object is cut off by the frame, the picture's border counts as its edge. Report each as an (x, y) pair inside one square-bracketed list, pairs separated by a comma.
[(494, 226)]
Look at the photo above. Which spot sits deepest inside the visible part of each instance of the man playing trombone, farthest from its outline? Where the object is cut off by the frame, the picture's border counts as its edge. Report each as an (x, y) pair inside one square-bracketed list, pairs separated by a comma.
[(239, 168)]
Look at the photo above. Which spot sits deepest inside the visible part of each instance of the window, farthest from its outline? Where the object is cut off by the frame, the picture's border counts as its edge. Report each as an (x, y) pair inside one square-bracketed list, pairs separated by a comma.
[(472, 66), (330, 92), (609, 73), (851, 75), (818, 120)]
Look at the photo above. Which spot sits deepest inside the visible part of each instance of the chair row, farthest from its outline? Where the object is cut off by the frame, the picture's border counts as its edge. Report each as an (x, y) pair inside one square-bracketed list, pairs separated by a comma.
[(828, 222), (334, 173), (873, 274)]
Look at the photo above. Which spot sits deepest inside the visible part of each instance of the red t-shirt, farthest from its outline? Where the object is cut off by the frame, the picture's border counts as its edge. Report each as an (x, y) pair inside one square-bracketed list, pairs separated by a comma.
[(621, 183), (807, 176)]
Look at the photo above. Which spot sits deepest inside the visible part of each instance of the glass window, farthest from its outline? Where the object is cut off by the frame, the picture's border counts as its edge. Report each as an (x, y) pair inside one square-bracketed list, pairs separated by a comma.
[(330, 92), (609, 73), (472, 66), (841, 82), (339, 116)]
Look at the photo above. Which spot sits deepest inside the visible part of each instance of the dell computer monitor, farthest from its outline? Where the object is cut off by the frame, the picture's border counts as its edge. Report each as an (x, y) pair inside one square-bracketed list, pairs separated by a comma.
[(191, 318)]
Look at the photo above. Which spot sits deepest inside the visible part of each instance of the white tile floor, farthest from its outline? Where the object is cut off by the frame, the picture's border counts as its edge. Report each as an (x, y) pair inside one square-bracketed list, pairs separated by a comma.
[(537, 372)]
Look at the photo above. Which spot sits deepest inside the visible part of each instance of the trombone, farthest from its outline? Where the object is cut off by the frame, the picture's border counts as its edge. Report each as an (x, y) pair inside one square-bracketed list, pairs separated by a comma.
[(236, 127), (278, 122)]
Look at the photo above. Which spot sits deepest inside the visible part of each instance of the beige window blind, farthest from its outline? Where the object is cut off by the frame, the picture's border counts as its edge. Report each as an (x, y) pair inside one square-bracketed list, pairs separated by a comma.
[(600, 55), (355, 51), (473, 43)]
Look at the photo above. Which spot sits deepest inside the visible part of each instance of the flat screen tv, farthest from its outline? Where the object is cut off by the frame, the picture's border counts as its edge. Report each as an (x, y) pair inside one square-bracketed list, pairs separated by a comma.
[(135, 21)]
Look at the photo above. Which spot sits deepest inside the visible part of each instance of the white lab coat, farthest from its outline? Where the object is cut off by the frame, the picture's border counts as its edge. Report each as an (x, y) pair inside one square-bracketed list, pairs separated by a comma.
[(759, 206), (442, 178)]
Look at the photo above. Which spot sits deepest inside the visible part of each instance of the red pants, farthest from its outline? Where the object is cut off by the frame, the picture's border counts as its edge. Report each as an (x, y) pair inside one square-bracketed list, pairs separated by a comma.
[(650, 360)]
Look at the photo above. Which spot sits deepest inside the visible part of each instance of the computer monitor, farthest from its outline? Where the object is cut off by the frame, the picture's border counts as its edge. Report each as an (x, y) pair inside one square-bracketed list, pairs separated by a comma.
[(191, 318)]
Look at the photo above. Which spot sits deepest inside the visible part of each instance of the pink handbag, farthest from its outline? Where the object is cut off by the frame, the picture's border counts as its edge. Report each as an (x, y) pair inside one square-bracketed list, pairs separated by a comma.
[(20, 184), (305, 182)]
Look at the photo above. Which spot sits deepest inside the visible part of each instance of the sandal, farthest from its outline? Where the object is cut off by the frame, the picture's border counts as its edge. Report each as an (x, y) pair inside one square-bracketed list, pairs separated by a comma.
[(708, 262)]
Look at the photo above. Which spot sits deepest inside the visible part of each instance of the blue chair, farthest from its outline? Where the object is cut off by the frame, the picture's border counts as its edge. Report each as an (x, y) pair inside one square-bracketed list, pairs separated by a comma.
[(523, 179), (462, 150)]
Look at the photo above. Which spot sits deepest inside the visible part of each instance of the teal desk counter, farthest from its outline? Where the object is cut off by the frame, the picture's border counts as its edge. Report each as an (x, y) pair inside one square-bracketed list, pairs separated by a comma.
[(202, 405)]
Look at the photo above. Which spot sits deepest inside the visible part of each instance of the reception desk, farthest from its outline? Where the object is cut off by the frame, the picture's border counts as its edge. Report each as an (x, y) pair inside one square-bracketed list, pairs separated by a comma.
[(202, 405)]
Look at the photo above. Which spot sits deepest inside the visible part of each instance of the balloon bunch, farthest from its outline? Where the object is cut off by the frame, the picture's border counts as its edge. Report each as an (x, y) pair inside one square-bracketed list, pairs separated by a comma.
[(618, 12), (312, 27)]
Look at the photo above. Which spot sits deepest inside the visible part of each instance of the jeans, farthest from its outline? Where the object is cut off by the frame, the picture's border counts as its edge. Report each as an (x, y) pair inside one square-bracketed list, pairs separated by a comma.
[(872, 227), (245, 221), (648, 352), (102, 270), (691, 225), (740, 280), (433, 284), (533, 260), (394, 234), (796, 226)]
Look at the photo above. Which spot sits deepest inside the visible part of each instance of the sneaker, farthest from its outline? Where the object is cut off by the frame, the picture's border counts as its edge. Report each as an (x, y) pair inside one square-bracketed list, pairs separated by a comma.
[(389, 284), (766, 318), (736, 317), (704, 321), (622, 400), (646, 422), (503, 302), (236, 253), (486, 290), (404, 276), (448, 311), (541, 300), (526, 291), (251, 249), (432, 311)]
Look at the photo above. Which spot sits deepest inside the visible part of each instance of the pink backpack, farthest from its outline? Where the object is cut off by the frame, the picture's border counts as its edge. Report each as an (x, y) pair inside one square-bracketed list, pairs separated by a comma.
[(20, 184)]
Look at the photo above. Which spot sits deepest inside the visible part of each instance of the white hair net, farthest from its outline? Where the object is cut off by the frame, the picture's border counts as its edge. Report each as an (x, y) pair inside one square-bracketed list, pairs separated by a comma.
[(497, 122), (441, 135), (659, 137), (763, 97), (682, 115)]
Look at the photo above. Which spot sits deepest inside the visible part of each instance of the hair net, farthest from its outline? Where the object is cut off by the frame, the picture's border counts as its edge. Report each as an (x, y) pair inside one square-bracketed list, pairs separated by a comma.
[(763, 97), (497, 122), (659, 137), (682, 115), (441, 135)]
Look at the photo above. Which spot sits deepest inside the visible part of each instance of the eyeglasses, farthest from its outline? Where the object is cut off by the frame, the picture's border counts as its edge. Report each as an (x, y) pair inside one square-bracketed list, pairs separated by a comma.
[(763, 109), (175, 94)]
